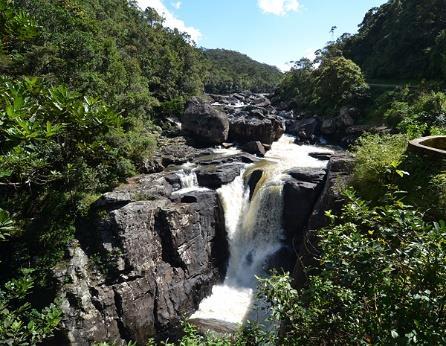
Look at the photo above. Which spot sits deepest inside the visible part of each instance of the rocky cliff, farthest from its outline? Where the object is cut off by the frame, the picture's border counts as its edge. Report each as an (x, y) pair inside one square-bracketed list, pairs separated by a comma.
[(145, 261)]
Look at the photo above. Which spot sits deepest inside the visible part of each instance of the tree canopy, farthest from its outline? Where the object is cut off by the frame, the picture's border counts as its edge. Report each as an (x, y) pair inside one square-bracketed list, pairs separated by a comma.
[(231, 71)]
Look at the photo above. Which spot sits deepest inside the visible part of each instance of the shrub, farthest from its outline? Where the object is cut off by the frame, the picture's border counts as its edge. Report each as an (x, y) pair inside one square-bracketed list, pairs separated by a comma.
[(381, 280), (335, 83), (20, 323), (338, 82), (375, 156)]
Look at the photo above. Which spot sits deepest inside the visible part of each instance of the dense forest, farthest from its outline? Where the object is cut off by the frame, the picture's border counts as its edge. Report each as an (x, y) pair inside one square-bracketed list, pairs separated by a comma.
[(402, 40), (232, 71)]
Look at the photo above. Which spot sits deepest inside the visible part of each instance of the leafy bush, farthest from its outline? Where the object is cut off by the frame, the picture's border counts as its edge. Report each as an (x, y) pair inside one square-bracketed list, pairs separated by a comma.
[(381, 280), (375, 157), (20, 323), (338, 82)]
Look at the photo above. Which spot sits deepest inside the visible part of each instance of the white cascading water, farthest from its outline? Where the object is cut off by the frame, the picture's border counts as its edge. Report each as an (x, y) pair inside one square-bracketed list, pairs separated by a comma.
[(188, 179), (254, 229)]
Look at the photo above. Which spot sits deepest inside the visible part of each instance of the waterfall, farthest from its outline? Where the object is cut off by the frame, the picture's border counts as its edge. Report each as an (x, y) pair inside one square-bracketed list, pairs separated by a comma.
[(254, 229), (188, 179)]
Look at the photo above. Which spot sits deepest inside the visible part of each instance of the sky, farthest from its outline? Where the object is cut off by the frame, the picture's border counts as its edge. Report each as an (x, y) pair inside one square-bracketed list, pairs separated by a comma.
[(270, 31)]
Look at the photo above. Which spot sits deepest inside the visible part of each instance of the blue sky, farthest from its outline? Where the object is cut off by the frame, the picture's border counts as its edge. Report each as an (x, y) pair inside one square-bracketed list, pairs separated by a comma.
[(270, 31)]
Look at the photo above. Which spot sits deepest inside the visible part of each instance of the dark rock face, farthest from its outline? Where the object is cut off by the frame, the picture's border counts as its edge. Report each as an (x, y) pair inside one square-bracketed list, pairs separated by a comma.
[(205, 123), (141, 265), (321, 156), (214, 176), (300, 194), (306, 130), (255, 148), (339, 174), (254, 178), (253, 127)]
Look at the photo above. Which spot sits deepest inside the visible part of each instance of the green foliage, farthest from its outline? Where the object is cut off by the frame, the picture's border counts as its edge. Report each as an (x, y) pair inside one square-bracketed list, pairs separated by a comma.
[(402, 40), (110, 50), (231, 71), (296, 86), (20, 323), (47, 133), (426, 184), (376, 157), (380, 280), (336, 82), (382, 160), (7, 225), (415, 112), (16, 26)]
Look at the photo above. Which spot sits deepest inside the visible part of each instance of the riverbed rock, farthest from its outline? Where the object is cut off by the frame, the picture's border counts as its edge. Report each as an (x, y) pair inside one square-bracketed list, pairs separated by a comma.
[(255, 127), (339, 174), (300, 194), (306, 130), (139, 268), (216, 175), (254, 178), (205, 123), (173, 151), (255, 148)]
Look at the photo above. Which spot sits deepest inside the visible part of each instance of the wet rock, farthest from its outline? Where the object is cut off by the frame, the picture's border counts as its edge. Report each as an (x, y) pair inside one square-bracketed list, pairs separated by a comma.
[(255, 148), (204, 122), (339, 174), (216, 327), (321, 156), (254, 178), (142, 187), (173, 151), (214, 176), (300, 193), (262, 102), (349, 112), (328, 126)]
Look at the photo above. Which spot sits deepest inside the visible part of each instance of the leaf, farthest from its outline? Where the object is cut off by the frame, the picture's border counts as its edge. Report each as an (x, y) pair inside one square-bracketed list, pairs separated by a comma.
[(394, 334)]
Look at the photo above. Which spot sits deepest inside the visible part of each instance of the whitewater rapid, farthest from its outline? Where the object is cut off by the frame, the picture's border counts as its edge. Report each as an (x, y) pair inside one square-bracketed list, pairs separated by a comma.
[(254, 229)]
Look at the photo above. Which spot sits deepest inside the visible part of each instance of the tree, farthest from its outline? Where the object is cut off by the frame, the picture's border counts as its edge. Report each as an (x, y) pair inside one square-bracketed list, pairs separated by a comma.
[(338, 82)]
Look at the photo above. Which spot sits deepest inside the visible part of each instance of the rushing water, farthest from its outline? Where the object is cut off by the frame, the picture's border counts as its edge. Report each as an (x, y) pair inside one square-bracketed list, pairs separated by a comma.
[(188, 179), (254, 229)]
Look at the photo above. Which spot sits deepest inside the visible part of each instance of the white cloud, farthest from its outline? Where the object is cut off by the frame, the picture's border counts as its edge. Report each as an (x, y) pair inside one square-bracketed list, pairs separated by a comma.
[(279, 7), (177, 5), (170, 20)]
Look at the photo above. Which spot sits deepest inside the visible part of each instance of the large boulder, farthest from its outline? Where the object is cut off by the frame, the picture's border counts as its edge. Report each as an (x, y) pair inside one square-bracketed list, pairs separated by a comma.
[(255, 126), (205, 123), (172, 151), (300, 193), (140, 266), (255, 148), (216, 175), (306, 130)]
